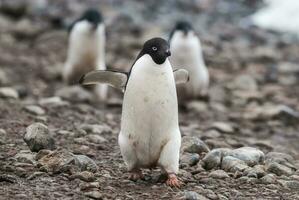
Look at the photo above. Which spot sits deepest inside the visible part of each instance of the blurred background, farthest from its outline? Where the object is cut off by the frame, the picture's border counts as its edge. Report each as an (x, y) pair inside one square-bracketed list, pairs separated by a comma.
[(250, 47)]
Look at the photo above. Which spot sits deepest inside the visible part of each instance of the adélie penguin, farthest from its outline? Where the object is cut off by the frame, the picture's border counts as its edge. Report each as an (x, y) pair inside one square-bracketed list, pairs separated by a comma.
[(186, 51), (150, 134), (86, 50)]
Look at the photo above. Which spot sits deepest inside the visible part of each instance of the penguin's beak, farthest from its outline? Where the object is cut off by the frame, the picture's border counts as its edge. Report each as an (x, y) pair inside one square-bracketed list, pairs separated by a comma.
[(168, 53)]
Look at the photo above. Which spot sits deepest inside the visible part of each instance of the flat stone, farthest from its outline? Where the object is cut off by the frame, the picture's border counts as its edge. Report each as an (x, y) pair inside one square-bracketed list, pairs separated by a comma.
[(25, 157), (94, 138), (96, 128), (292, 185), (7, 92), (88, 186), (36, 110), (223, 127), (190, 195), (278, 169), (75, 94), (53, 101), (268, 179), (197, 106), (219, 174), (281, 158), (94, 194), (84, 176)]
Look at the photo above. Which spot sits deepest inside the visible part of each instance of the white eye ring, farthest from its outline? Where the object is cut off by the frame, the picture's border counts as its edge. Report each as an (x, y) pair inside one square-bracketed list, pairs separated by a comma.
[(154, 48)]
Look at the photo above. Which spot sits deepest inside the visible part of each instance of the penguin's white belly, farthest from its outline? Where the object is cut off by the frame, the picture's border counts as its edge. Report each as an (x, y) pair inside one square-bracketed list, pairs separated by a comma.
[(85, 56), (150, 115), (198, 74)]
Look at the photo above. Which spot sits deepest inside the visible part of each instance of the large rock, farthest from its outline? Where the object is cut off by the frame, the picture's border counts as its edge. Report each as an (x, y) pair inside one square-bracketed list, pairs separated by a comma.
[(251, 156), (63, 161), (213, 158), (59, 161), (232, 164), (38, 137), (193, 145)]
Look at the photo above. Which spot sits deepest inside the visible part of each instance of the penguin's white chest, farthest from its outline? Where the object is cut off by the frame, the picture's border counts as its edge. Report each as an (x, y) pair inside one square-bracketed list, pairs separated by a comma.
[(150, 113), (187, 54)]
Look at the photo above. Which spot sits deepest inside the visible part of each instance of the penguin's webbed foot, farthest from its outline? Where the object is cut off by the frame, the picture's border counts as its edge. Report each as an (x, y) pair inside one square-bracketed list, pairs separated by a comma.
[(173, 181)]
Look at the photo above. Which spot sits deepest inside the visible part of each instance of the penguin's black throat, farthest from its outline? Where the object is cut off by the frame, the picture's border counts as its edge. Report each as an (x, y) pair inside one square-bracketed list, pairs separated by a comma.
[(157, 48)]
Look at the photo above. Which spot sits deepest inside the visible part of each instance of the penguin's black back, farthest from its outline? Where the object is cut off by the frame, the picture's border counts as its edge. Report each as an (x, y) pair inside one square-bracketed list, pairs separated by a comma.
[(181, 26), (91, 15)]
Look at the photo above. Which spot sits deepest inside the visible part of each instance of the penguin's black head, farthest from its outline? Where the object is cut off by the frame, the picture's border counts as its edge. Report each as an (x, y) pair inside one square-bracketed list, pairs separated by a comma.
[(183, 26), (157, 48), (92, 16)]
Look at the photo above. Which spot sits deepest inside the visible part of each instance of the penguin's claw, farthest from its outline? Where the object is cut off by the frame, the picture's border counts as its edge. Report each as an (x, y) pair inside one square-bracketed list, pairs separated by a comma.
[(134, 176), (173, 181)]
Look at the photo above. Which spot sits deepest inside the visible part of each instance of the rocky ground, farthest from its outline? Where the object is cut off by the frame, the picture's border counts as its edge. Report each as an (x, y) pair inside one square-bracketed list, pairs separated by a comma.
[(57, 142)]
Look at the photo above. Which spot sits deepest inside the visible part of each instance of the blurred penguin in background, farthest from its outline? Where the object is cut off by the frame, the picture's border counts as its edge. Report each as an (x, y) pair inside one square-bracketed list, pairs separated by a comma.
[(187, 54), (86, 50)]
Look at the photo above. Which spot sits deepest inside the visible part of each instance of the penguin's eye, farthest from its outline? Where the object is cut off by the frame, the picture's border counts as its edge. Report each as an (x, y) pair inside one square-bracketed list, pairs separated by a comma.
[(154, 48)]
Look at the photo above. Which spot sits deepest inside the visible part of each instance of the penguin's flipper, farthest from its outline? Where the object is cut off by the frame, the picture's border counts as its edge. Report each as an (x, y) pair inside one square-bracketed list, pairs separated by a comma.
[(181, 76), (113, 78)]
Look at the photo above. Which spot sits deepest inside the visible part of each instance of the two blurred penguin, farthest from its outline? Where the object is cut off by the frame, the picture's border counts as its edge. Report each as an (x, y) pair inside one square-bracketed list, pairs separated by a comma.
[(86, 51), (186, 52)]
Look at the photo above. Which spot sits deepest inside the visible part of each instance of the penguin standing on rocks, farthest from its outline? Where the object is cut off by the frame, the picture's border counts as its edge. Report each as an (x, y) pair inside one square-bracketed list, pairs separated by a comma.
[(86, 49), (150, 134), (187, 52)]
